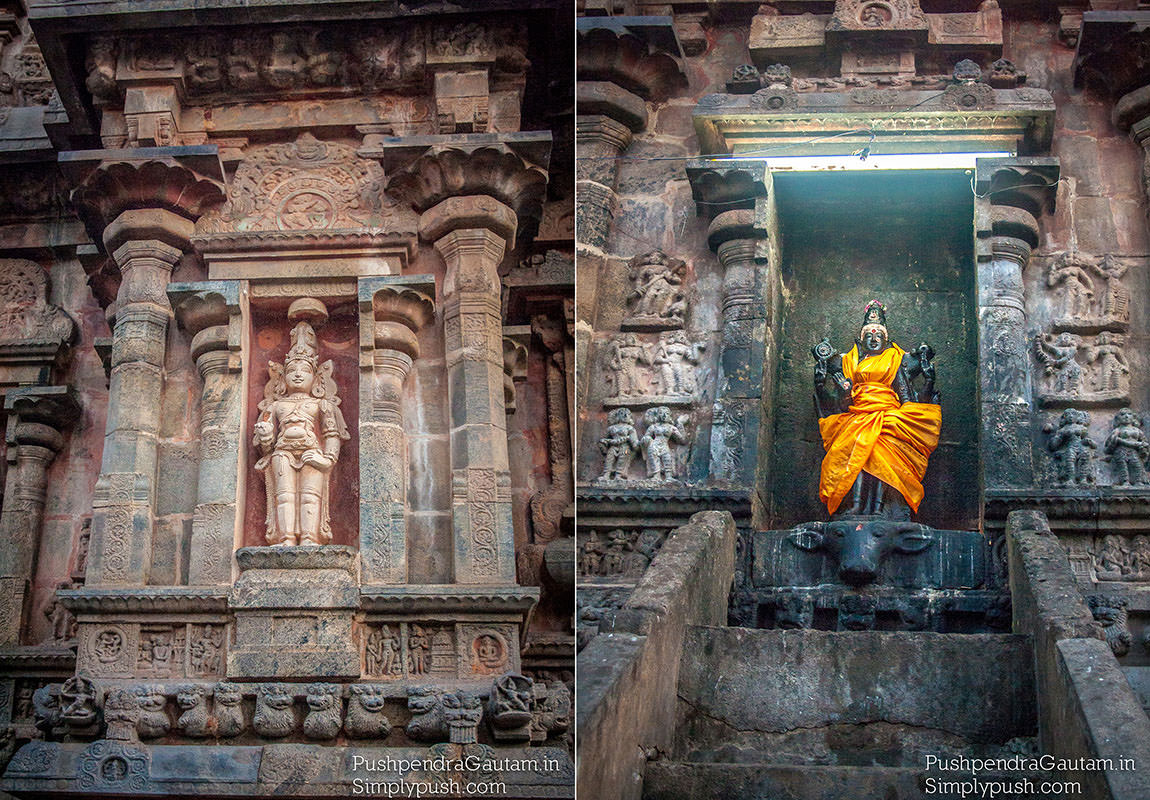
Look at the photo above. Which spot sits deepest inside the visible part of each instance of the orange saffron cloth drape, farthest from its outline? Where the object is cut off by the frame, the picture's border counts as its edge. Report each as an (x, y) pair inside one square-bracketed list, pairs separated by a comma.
[(877, 435)]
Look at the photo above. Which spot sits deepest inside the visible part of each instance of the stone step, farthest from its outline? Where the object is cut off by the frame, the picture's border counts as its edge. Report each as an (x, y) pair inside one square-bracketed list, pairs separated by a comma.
[(669, 780), (807, 697)]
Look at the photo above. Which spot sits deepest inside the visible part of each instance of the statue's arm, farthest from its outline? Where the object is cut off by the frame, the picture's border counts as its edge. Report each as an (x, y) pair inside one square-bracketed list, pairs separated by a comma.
[(263, 434), (832, 399)]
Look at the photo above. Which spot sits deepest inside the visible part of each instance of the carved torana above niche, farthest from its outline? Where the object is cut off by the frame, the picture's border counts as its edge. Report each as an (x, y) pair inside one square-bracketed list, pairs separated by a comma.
[(307, 185)]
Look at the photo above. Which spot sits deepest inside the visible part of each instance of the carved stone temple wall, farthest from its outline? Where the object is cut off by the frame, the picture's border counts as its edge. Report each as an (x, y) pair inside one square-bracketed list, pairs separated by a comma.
[(706, 277), (287, 364)]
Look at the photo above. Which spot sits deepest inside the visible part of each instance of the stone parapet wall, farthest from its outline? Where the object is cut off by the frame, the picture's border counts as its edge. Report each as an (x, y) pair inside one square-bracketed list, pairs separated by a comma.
[(628, 673)]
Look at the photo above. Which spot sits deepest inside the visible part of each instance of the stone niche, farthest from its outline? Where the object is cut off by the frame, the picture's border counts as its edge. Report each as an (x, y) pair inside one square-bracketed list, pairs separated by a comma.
[(338, 339), (904, 239)]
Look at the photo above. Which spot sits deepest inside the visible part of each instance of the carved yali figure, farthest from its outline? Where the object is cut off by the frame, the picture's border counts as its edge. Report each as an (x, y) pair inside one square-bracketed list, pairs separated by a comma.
[(877, 430), (298, 435)]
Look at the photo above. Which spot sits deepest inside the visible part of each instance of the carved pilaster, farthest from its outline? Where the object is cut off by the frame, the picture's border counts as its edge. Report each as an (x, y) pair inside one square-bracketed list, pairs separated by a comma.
[(213, 314), (142, 205), (472, 233), (37, 420), (1013, 195), (392, 312)]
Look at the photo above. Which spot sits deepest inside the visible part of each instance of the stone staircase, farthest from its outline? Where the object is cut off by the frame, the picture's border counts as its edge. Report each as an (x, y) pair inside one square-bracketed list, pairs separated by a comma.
[(818, 715)]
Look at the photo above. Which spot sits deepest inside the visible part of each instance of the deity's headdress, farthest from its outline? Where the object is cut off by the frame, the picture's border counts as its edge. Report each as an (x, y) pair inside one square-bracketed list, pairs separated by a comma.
[(304, 346), (874, 314)]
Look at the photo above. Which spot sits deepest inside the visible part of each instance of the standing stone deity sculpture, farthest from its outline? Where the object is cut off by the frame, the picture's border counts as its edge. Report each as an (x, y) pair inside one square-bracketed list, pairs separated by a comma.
[(676, 358), (619, 445), (661, 432), (1071, 446), (877, 428), (1127, 448), (298, 436), (1077, 285), (657, 299)]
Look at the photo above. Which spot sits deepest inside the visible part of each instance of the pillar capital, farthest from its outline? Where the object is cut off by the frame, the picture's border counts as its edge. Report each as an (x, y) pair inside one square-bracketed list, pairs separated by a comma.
[(184, 181), (394, 312), (718, 187), (608, 112)]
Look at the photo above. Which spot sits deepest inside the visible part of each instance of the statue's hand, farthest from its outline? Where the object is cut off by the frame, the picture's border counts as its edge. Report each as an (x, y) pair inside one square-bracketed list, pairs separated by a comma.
[(820, 371), (263, 429), (319, 460)]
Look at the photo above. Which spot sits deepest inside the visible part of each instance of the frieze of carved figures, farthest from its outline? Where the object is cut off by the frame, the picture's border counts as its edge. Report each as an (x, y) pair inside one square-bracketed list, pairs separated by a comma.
[(619, 553), (298, 436), (194, 721), (324, 711), (1090, 293), (1111, 612), (307, 185), (658, 299), (1121, 558), (663, 431), (1090, 370), (153, 721), (79, 707), (365, 717), (510, 708), (274, 715), (1071, 447)]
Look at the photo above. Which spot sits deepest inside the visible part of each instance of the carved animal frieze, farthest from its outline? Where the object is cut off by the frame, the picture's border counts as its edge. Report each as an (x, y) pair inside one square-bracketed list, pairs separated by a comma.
[(229, 710), (427, 721), (194, 720), (153, 720), (1111, 613), (860, 546)]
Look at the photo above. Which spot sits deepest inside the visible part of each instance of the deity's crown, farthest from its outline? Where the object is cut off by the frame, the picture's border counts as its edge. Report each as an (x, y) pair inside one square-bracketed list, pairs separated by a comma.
[(874, 314), (303, 346)]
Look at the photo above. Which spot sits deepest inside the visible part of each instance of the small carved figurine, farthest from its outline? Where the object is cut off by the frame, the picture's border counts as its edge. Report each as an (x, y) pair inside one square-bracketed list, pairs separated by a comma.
[(1072, 447), (676, 359), (625, 356), (365, 717), (418, 645), (619, 445), (1059, 357), (1112, 365), (383, 650), (78, 707), (298, 435), (274, 717), (194, 721), (63, 623), (229, 710), (324, 714), (656, 443), (153, 721), (658, 292), (1128, 448)]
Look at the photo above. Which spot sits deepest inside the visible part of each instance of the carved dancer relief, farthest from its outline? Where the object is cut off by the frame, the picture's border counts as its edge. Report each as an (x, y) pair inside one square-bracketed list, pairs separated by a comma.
[(1090, 293), (1127, 449), (663, 372), (1085, 370), (298, 437), (622, 443), (1071, 447), (658, 300)]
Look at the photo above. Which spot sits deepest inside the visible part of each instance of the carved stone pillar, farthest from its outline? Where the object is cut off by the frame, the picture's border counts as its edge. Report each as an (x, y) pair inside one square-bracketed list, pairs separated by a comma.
[(472, 233), (212, 313), (38, 416), (601, 140), (144, 212), (1013, 195), (392, 311)]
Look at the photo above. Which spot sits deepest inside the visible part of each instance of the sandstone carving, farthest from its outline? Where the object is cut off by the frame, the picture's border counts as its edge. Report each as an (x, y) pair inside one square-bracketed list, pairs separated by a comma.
[(657, 300), (462, 712), (79, 709), (418, 650), (1059, 357), (229, 710), (298, 436), (383, 652), (552, 713), (194, 719), (1111, 612), (325, 711), (121, 715), (661, 433), (676, 359), (619, 446), (153, 721), (46, 709), (365, 713), (25, 313), (619, 553), (1090, 292), (1121, 558), (428, 723), (61, 619), (1127, 449), (274, 716), (627, 358), (510, 707), (1072, 448)]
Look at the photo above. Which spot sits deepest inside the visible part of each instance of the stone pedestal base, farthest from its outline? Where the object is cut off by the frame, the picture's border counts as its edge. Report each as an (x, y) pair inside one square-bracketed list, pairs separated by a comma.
[(293, 611)]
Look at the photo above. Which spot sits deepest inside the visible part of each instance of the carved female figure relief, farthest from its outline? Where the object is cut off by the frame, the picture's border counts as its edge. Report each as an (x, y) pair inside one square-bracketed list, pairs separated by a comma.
[(298, 436)]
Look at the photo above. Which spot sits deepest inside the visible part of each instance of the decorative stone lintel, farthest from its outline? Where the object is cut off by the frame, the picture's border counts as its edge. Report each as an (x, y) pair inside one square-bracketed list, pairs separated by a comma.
[(513, 602), (146, 600)]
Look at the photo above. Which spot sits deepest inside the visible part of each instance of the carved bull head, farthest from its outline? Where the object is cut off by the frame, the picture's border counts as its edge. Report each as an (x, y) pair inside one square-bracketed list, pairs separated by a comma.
[(860, 546)]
